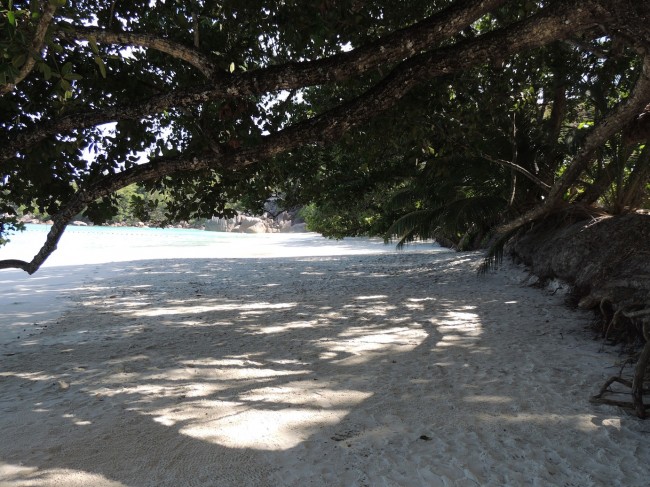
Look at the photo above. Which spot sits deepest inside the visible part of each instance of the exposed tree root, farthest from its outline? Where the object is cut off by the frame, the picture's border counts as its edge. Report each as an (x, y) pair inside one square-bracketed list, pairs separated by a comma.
[(636, 385)]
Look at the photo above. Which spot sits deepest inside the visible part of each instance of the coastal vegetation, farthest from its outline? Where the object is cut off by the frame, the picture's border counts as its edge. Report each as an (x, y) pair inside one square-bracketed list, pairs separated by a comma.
[(133, 204), (471, 122)]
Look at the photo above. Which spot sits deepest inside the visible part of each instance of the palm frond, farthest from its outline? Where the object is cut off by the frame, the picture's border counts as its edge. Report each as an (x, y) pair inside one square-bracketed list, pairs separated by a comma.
[(461, 213), (494, 257), (404, 198), (419, 224)]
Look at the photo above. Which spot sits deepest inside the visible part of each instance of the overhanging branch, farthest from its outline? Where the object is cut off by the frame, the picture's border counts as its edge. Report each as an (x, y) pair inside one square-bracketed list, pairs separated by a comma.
[(560, 21), (387, 50), (34, 49), (174, 49), (624, 114)]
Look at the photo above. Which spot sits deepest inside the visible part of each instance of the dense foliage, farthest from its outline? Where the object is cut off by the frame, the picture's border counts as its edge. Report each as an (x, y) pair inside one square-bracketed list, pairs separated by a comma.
[(446, 119)]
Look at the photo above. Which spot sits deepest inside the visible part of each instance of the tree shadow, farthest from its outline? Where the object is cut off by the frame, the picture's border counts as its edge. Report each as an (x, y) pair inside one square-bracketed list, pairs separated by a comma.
[(224, 372)]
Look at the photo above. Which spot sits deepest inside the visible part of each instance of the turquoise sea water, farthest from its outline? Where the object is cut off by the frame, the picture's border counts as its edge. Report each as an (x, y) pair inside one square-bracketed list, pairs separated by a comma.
[(141, 236), (105, 244)]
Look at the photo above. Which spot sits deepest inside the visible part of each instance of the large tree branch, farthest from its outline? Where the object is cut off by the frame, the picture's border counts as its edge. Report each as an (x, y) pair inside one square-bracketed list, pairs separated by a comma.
[(190, 55), (632, 194), (623, 115), (80, 121), (388, 50), (34, 49), (562, 20), (617, 119), (528, 34), (107, 185)]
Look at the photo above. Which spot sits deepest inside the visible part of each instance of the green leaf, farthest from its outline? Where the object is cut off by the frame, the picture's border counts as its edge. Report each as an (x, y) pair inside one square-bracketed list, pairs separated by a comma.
[(65, 84), (73, 76), (11, 17), (102, 67), (92, 42), (66, 69), (46, 70)]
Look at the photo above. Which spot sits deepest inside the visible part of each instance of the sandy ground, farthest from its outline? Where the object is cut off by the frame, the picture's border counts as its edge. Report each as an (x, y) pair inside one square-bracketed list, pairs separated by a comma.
[(343, 365)]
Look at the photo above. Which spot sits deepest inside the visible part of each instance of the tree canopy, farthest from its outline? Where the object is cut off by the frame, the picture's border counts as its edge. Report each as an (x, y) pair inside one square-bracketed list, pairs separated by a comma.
[(396, 117)]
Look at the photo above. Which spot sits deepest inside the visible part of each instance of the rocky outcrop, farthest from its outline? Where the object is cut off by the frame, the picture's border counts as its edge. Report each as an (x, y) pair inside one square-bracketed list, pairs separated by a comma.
[(284, 222), (28, 218)]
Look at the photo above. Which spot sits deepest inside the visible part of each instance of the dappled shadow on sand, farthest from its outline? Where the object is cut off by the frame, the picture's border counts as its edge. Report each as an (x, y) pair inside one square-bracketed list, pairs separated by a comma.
[(228, 373)]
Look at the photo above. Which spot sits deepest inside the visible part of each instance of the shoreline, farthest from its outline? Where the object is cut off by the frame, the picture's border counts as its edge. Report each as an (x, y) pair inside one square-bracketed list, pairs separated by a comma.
[(97, 244)]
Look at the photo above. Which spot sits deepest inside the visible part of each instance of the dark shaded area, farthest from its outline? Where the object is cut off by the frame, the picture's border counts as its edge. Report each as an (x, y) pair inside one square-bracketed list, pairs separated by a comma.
[(607, 261), (250, 332)]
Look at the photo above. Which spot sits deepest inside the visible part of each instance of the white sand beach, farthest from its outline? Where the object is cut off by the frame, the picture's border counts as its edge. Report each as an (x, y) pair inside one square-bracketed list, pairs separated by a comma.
[(291, 360)]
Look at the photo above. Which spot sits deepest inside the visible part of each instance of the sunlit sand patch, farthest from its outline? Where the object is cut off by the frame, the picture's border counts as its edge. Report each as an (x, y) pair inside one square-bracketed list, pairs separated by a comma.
[(360, 344), (376, 309), (456, 341), (268, 418), (214, 362), (32, 376), (145, 392), (225, 374), (183, 308), (27, 476), (488, 399), (265, 429), (286, 327), (458, 328), (576, 422), (306, 393), (390, 337), (462, 317), (76, 421)]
